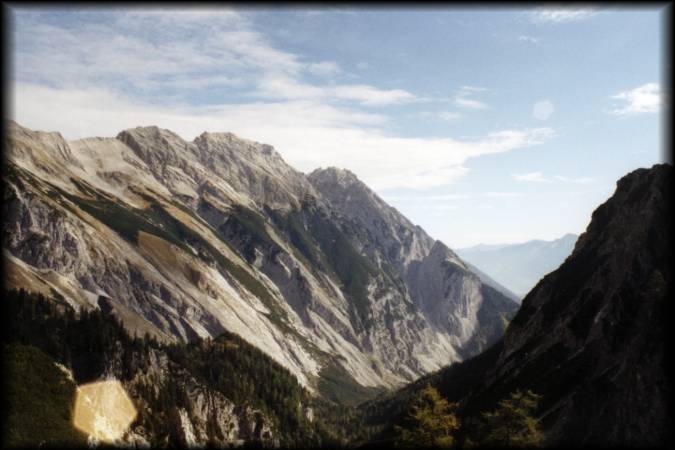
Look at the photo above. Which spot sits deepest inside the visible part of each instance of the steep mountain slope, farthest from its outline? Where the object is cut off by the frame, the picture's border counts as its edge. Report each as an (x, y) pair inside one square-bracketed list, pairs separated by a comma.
[(591, 336), (450, 297), (519, 266), (190, 239)]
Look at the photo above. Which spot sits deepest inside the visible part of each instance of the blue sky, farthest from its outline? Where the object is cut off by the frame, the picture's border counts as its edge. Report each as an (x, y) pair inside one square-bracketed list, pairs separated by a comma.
[(480, 125)]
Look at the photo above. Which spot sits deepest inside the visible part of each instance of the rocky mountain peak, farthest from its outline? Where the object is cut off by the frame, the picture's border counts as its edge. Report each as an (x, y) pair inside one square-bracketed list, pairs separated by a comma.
[(348, 193), (43, 151), (151, 133), (254, 168), (235, 146), (441, 252), (342, 177), (639, 197), (382, 223)]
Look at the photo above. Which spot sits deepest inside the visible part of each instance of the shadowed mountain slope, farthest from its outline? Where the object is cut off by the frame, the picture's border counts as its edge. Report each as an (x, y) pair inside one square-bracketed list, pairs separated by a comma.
[(591, 336)]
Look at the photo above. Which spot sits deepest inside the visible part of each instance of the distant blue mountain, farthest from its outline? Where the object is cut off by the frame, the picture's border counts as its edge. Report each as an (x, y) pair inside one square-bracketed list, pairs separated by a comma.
[(518, 267)]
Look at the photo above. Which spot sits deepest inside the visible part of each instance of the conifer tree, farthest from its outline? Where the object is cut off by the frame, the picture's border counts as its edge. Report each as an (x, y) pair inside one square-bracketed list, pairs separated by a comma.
[(431, 421), (512, 424)]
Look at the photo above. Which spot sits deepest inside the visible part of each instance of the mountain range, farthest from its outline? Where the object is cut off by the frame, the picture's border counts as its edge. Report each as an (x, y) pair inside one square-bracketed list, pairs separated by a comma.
[(190, 239), (239, 300), (519, 267)]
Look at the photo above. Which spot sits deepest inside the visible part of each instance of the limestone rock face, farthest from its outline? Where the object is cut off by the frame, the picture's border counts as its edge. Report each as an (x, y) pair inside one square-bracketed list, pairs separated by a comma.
[(187, 239)]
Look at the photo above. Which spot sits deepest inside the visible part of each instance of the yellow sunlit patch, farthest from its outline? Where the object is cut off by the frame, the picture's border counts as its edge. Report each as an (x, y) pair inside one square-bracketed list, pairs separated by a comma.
[(103, 410)]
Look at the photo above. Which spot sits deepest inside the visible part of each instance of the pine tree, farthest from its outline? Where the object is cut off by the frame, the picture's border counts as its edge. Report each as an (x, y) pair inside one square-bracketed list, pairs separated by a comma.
[(432, 421), (512, 424)]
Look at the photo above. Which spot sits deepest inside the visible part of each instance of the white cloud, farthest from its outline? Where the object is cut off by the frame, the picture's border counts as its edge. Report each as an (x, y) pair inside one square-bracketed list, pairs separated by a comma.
[(174, 53), (117, 71), (562, 14), (530, 39), (370, 95), (467, 88), (643, 99), (449, 115), (462, 98), (142, 53), (542, 110), (540, 178), (531, 176), (502, 194), (470, 104), (181, 16), (582, 180), (308, 134), (425, 197), (285, 87), (324, 68)]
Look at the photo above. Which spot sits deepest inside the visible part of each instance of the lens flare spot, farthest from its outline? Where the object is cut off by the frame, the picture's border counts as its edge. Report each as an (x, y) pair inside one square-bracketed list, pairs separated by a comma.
[(103, 410)]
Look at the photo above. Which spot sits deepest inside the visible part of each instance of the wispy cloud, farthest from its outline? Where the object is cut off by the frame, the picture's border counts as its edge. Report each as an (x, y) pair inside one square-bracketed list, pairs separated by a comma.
[(449, 115), (463, 98), (426, 198), (277, 86), (643, 99), (308, 134), (121, 70), (324, 68), (539, 177), (562, 14), (582, 180), (370, 95), (502, 194), (468, 88), (151, 53), (470, 104), (542, 110), (531, 176), (145, 49), (530, 39)]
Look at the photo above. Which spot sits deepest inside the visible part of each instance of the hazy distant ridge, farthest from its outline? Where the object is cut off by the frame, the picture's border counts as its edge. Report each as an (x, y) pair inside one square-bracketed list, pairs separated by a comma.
[(519, 267)]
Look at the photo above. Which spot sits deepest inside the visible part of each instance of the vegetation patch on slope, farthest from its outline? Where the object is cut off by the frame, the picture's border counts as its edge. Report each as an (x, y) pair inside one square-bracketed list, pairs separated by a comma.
[(39, 400), (337, 385)]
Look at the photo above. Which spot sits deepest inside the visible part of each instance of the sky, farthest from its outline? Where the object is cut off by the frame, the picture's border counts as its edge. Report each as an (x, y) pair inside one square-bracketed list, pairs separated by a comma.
[(480, 125)]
